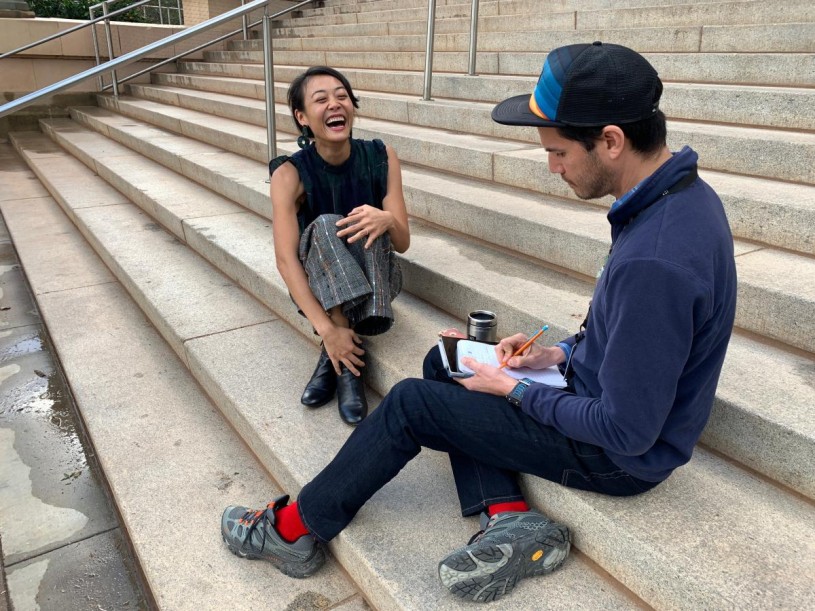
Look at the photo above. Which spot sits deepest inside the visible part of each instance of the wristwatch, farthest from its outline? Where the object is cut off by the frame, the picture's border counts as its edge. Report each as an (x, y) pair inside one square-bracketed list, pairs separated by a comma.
[(517, 393)]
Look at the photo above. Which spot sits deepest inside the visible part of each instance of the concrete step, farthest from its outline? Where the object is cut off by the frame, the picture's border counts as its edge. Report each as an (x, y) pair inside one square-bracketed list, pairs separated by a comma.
[(776, 107), (275, 427), (162, 445), (439, 269), (504, 6), (586, 16), (784, 222), (529, 36), (629, 538), (792, 319), (767, 153), (764, 69)]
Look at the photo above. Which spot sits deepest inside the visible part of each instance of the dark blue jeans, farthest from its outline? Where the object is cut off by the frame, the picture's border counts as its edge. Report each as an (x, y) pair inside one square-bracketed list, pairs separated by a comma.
[(488, 441)]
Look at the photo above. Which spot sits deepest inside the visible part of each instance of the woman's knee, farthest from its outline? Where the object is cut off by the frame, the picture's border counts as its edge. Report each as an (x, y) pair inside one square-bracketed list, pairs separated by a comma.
[(326, 221)]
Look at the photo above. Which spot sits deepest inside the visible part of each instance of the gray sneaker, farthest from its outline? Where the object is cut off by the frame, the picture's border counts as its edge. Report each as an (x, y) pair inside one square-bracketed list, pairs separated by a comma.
[(251, 534), (511, 546)]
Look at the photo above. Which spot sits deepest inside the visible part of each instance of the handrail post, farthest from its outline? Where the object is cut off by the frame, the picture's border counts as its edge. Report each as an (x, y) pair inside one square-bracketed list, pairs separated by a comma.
[(160, 16), (110, 50), (268, 72), (428, 55), (473, 37), (101, 81), (245, 23)]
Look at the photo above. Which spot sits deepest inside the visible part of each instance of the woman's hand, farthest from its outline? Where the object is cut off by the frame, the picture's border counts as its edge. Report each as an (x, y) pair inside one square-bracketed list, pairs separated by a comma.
[(535, 357), (342, 347), (365, 222)]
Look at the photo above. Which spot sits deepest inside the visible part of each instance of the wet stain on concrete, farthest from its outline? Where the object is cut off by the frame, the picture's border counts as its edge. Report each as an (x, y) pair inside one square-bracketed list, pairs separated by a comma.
[(88, 575), (24, 583), (43, 525), (51, 502)]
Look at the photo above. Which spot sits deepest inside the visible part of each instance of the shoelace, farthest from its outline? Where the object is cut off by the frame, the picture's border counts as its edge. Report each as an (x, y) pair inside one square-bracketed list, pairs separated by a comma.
[(254, 517)]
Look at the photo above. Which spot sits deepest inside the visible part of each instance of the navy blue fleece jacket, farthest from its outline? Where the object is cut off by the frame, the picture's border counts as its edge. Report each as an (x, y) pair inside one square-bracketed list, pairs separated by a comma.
[(661, 317)]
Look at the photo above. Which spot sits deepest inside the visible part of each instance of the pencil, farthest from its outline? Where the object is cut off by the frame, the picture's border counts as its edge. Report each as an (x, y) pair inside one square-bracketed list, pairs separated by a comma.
[(526, 345)]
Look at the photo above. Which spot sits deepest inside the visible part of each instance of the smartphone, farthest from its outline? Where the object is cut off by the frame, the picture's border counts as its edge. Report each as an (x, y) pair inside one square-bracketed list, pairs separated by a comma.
[(447, 347)]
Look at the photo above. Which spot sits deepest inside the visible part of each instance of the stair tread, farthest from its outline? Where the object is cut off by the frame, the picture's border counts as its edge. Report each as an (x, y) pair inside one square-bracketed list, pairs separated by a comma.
[(161, 443), (722, 494), (138, 253), (792, 322), (247, 241)]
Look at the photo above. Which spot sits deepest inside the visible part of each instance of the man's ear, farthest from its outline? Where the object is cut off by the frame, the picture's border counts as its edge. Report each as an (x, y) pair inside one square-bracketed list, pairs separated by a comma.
[(612, 141)]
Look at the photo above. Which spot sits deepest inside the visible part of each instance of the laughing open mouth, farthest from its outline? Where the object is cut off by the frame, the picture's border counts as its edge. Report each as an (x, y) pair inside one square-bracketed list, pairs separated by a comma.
[(336, 123)]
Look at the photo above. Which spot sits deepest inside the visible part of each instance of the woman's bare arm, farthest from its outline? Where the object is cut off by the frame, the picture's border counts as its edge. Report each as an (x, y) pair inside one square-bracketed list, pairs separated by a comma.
[(340, 343)]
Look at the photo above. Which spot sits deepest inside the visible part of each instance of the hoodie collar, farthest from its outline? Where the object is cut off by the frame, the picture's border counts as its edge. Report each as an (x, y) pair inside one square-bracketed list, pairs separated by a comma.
[(649, 190)]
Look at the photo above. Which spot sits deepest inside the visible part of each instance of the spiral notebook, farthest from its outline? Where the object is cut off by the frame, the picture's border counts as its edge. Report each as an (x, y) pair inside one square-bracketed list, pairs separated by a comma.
[(485, 353)]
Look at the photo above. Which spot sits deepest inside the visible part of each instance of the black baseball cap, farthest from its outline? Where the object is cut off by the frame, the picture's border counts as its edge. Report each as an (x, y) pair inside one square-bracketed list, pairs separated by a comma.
[(587, 85)]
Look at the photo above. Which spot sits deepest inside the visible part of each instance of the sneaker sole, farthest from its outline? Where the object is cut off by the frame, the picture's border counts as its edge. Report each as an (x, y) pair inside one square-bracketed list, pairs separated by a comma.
[(486, 572), (300, 570)]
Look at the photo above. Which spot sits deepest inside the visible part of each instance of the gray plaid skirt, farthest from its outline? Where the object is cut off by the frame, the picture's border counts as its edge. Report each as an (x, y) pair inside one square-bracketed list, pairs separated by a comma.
[(363, 281)]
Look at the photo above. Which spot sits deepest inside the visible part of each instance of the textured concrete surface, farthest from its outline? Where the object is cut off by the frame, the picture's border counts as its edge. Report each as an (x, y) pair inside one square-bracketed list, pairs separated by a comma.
[(786, 308), (784, 222), (142, 254), (373, 549), (283, 338), (190, 461), (229, 174), (56, 521), (776, 435), (720, 559), (224, 242), (87, 574), (708, 509)]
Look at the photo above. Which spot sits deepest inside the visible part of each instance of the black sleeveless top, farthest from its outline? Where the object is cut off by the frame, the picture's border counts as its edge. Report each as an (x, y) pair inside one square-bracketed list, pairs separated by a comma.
[(338, 189)]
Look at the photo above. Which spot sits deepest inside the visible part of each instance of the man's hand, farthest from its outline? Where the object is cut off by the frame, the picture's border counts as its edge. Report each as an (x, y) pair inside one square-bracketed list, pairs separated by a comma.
[(536, 357), (488, 379)]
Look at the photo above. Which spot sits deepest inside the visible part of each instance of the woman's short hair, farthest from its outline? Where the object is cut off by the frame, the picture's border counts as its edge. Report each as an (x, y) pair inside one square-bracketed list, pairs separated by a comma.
[(297, 90), (646, 136)]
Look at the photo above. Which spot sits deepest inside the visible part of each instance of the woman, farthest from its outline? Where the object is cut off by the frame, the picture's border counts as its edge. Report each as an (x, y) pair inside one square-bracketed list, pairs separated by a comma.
[(338, 214)]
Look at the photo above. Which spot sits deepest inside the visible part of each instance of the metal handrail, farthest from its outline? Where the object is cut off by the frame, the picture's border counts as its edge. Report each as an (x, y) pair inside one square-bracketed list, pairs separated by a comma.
[(73, 29), (473, 38), (243, 29), (428, 57), (428, 52), (133, 56), (138, 54)]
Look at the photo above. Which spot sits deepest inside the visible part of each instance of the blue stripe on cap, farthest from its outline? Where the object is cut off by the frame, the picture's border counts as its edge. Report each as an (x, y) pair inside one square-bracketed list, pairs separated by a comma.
[(549, 87)]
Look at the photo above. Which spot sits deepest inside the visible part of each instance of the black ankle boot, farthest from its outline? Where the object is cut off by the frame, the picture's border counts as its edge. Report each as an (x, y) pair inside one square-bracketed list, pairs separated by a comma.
[(322, 385), (351, 399)]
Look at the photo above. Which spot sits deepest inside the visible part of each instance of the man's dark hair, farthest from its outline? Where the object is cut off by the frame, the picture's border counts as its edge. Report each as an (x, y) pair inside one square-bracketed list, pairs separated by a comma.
[(646, 136), (297, 90)]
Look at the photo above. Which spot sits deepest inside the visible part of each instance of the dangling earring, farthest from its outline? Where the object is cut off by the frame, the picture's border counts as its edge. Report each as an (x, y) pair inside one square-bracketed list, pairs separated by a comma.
[(303, 138)]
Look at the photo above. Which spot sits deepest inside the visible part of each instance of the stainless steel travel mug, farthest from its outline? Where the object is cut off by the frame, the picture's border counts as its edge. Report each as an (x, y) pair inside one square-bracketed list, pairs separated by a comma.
[(482, 326)]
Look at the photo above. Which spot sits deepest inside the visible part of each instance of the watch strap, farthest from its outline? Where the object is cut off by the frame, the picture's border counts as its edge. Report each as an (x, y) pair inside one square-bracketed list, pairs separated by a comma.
[(516, 395)]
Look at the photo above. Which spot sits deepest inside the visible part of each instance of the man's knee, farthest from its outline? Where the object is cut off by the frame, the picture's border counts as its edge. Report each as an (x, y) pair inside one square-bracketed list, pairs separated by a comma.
[(432, 367), (405, 396)]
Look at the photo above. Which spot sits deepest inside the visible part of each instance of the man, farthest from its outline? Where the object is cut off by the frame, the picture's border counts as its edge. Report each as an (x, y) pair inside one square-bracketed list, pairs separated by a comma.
[(642, 371)]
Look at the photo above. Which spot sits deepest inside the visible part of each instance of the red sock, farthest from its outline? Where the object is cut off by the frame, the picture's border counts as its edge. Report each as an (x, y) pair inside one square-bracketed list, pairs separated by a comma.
[(513, 506), (289, 524)]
